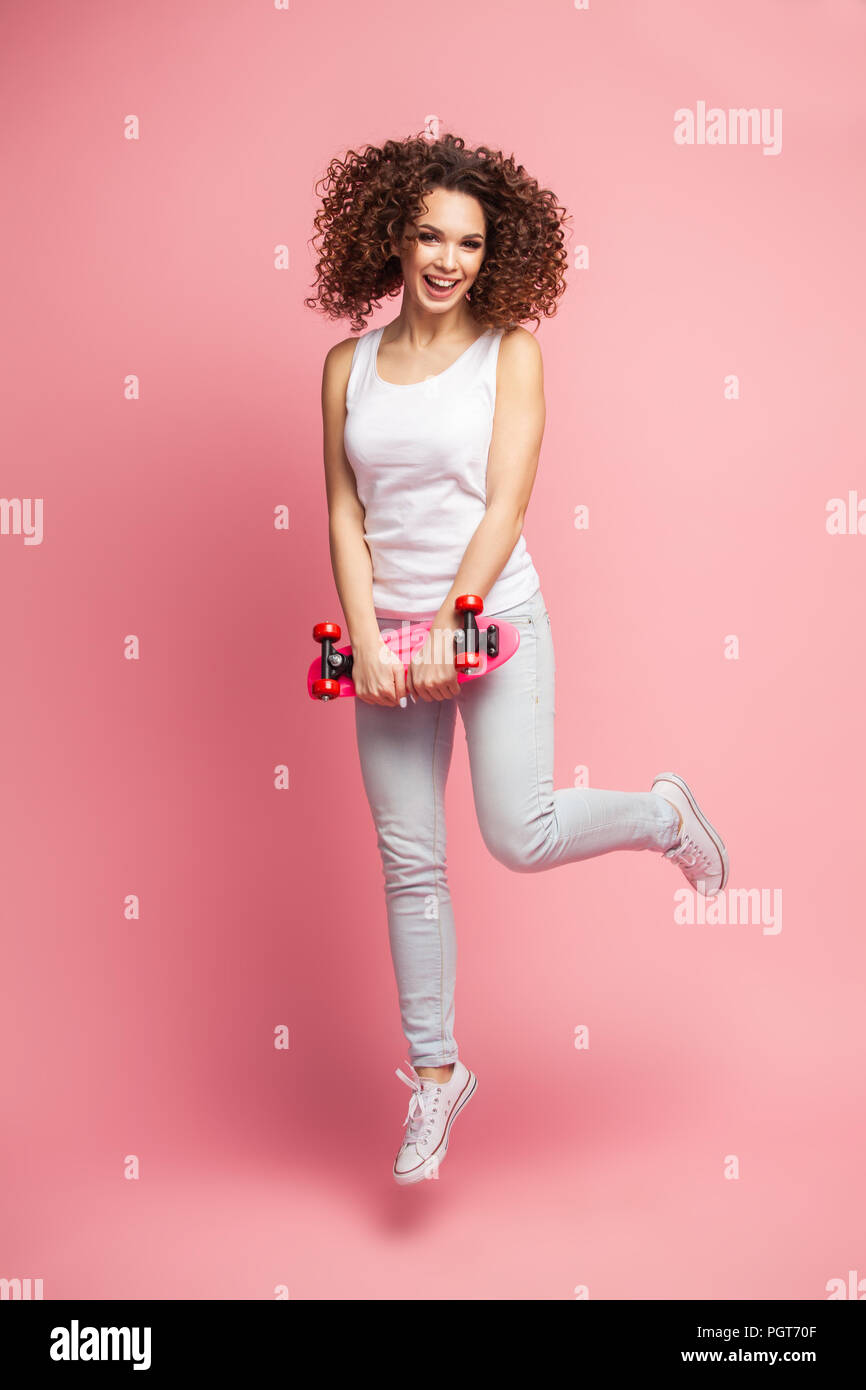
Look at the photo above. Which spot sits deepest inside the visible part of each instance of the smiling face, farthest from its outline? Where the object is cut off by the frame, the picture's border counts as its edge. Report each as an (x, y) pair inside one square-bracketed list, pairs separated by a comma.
[(450, 248)]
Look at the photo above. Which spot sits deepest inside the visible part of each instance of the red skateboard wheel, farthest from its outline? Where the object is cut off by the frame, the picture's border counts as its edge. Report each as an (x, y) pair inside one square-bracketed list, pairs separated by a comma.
[(468, 603), (323, 630), (326, 689), (467, 661)]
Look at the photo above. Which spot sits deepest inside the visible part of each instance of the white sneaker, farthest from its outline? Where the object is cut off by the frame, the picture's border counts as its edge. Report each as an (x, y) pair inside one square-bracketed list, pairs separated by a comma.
[(700, 851), (432, 1111)]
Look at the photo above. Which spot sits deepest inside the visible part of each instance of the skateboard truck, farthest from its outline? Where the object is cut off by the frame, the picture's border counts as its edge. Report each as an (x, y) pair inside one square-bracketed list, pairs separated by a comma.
[(467, 655)]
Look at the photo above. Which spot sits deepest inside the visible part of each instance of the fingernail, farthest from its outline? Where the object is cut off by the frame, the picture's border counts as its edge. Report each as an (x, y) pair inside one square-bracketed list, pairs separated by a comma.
[(403, 702), (412, 698)]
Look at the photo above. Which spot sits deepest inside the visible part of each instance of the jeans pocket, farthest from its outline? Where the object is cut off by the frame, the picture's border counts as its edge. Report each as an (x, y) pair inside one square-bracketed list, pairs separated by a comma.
[(525, 615)]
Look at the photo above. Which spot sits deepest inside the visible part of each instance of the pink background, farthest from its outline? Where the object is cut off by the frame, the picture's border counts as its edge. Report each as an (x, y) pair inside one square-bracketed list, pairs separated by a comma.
[(262, 907)]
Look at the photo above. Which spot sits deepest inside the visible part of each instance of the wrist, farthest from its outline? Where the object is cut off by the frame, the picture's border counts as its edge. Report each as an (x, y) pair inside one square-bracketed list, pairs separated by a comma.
[(447, 618), (365, 639)]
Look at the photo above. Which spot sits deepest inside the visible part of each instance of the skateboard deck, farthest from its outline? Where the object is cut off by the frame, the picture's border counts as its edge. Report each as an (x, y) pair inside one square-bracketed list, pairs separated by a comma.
[(330, 677)]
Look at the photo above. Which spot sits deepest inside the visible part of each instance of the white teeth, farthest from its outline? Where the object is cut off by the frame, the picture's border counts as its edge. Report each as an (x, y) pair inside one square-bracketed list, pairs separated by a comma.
[(442, 284)]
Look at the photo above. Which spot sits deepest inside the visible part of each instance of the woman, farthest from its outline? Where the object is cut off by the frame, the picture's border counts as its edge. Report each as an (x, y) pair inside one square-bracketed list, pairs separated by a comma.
[(432, 431)]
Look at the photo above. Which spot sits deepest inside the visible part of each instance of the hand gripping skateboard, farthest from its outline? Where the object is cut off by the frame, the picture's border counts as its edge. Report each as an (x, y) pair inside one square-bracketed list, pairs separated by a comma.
[(477, 649)]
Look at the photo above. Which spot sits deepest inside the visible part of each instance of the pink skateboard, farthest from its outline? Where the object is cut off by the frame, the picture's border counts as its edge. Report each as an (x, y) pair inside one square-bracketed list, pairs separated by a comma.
[(477, 649)]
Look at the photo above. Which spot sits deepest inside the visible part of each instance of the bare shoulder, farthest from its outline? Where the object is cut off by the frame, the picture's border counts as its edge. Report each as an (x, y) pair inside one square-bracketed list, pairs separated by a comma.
[(338, 365), (520, 371), (519, 350)]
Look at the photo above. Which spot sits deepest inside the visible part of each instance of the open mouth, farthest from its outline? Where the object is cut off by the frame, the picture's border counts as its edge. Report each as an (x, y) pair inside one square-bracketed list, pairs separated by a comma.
[(438, 286)]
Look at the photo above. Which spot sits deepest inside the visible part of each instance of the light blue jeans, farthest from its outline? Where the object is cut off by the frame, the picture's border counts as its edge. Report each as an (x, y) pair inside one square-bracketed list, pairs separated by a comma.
[(405, 754)]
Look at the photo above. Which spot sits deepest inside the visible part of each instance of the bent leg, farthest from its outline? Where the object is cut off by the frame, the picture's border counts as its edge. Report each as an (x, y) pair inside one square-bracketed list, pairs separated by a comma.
[(525, 822), (405, 756)]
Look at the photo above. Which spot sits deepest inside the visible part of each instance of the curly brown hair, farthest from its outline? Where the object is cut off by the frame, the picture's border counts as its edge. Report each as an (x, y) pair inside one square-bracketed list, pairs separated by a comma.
[(373, 196)]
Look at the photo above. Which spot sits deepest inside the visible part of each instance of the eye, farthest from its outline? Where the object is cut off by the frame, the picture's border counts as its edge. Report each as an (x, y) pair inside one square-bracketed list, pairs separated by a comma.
[(470, 245)]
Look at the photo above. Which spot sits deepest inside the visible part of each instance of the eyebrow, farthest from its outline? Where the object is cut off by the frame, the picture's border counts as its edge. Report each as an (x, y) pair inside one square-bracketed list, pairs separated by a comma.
[(429, 226)]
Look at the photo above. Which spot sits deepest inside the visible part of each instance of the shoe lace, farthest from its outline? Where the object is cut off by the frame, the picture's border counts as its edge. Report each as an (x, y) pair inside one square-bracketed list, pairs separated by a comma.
[(423, 1104), (689, 855)]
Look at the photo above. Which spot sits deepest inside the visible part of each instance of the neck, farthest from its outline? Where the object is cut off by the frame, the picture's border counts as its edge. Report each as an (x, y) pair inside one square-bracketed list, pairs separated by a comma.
[(420, 328)]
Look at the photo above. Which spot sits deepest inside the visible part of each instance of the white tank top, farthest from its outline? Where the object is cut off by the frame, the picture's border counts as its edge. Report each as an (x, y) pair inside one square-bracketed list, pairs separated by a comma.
[(419, 455)]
